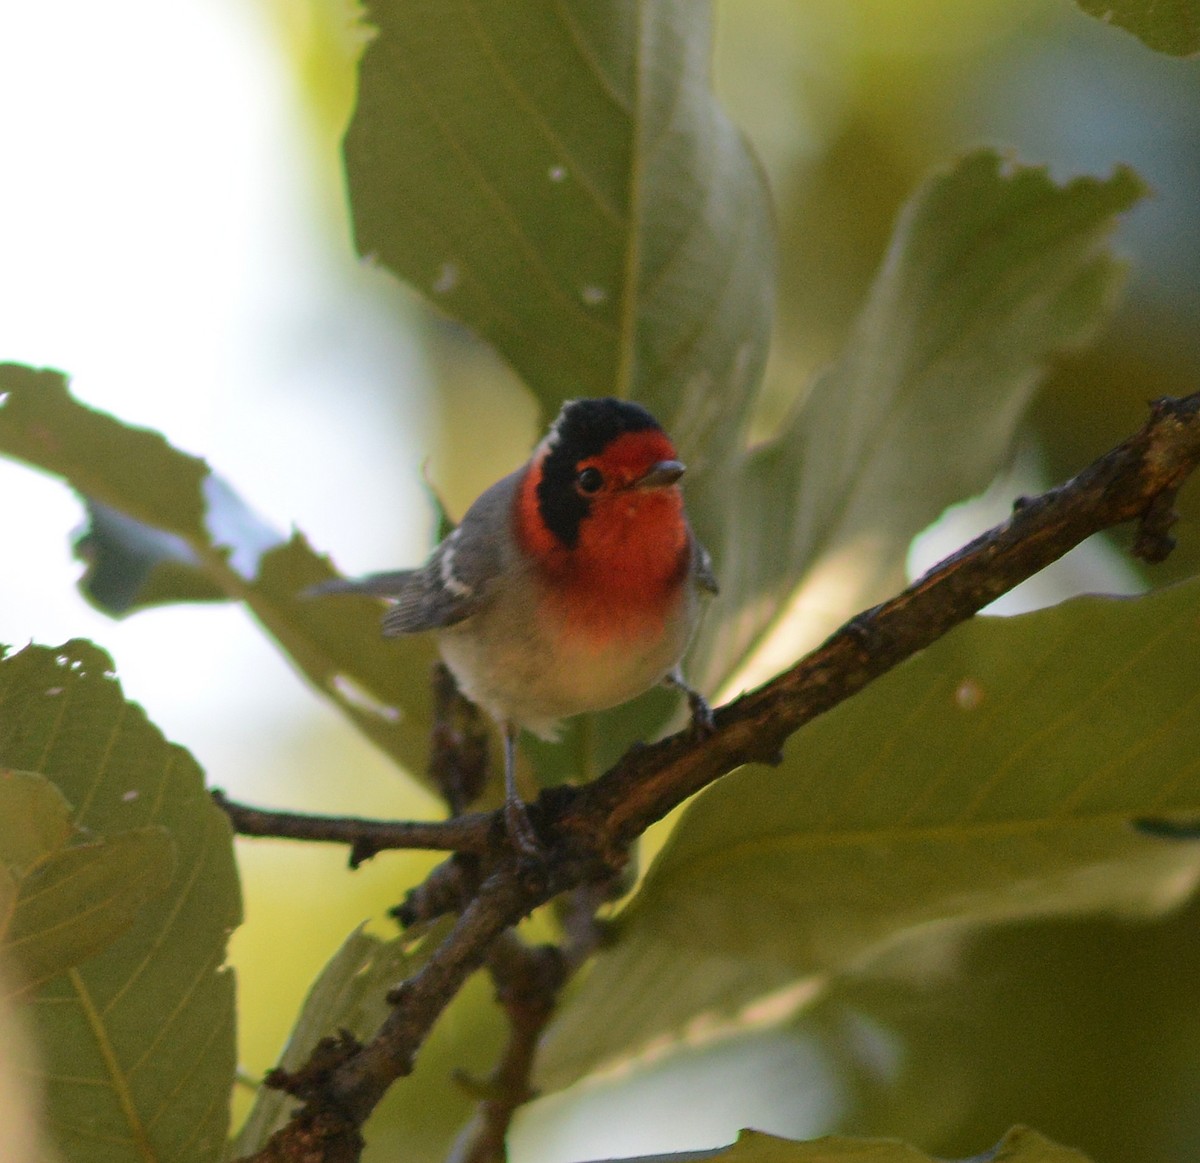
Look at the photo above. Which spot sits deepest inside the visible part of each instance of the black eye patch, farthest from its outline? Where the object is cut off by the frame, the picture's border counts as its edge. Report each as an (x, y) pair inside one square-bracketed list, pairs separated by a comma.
[(584, 428)]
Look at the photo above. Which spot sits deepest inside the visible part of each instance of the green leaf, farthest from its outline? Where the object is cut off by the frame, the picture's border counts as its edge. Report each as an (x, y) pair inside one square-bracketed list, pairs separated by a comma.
[(137, 1042), (559, 177), (173, 514), (1168, 26), (991, 778), (35, 819), (992, 268), (1020, 1145), (58, 904), (78, 901), (132, 565)]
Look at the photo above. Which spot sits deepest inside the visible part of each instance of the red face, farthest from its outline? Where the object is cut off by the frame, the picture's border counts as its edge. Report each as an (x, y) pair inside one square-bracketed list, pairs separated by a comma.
[(631, 553)]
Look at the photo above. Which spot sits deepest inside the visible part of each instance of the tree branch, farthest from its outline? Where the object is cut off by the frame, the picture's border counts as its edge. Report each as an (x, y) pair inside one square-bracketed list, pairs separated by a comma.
[(468, 833), (587, 831), (1137, 480)]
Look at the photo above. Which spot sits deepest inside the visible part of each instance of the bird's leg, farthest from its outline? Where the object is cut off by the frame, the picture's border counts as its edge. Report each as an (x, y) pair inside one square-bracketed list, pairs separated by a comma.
[(516, 818), (702, 716)]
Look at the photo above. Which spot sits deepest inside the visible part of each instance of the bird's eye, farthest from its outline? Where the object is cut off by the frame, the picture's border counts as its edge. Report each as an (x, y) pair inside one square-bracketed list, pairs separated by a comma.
[(590, 480)]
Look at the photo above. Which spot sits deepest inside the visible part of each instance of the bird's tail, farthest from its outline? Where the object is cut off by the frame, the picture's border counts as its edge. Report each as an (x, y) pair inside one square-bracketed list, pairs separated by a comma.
[(378, 585)]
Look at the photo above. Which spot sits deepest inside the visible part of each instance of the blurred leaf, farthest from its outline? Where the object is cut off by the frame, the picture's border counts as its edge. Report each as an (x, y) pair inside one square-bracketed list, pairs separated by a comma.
[(137, 1042), (990, 778), (1168, 26), (132, 565), (1020, 1145), (559, 177), (21, 1133), (78, 901), (992, 269), (1099, 1013), (321, 41), (170, 530), (132, 468)]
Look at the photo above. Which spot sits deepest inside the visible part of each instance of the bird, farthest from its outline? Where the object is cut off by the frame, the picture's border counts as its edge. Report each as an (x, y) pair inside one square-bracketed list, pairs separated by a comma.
[(572, 585)]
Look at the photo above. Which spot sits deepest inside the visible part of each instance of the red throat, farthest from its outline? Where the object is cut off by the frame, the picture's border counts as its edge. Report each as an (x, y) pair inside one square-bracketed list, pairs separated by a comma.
[(626, 572)]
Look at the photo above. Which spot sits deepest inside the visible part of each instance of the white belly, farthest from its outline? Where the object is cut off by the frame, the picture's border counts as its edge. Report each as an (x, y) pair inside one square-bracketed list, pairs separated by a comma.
[(533, 676)]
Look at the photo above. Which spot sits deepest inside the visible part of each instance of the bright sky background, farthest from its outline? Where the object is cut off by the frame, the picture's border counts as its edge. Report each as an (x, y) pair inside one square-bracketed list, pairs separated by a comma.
[(161, 241)]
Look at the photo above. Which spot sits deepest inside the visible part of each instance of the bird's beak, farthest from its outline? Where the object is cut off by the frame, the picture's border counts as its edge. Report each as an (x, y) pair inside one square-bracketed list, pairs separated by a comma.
[(658, 476)]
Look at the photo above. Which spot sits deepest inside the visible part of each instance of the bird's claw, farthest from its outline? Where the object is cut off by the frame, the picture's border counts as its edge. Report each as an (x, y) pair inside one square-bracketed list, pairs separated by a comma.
[(520, 830), (703, 722)]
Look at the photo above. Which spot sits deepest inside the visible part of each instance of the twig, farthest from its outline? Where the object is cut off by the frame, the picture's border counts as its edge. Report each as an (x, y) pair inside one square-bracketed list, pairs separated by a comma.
[(593, 826), (366, 837), (528, 980)]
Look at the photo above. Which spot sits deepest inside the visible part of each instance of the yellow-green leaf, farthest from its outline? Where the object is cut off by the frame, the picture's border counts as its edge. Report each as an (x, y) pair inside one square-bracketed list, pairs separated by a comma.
[(137, 1041), (558, 175), (78, 901), (993, 777), (35, 819)]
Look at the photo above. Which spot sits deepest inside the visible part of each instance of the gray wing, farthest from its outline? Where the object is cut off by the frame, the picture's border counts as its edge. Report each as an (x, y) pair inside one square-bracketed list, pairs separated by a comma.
[(454, 583)]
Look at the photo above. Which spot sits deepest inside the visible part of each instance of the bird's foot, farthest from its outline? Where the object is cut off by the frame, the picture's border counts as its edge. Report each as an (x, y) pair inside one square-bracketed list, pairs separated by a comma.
[(703, 723), (520, 830)]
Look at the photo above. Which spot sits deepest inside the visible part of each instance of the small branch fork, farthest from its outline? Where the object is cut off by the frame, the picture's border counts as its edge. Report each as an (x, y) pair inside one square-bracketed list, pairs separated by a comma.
[(587, 831)]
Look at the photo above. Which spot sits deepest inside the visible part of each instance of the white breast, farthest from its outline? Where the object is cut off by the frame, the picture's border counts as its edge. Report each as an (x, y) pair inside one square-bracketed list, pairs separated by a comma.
[(524, 671)]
